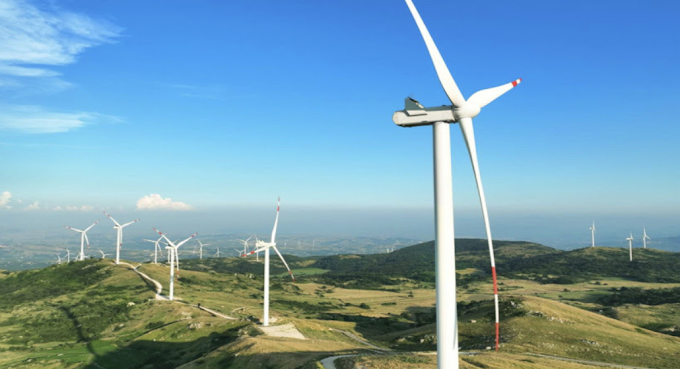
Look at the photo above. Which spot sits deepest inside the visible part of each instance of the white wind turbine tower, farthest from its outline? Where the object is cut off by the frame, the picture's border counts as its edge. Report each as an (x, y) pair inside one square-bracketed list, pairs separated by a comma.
[(119, 234), (200, 249), (217, 254), (174, 260), (265, 246), (644, 237), (58, 259), (83, 239), (460, 111), (630, 245), (156, 249), (68, 256), (592, 234)]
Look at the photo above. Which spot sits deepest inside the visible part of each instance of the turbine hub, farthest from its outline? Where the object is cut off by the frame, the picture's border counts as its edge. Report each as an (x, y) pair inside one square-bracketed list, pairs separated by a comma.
[(468, 110)]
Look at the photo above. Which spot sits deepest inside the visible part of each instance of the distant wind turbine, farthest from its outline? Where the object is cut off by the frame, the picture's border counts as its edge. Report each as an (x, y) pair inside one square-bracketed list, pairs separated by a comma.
[(245, 249), (217, 254), (592, 234), (200, 249), (630, 245), (119, 234), (68, 255), (265, 246), (460, 111), (83, 239), (174, 260), (156, 249), (644, 237), (103, 254), (58, 259)]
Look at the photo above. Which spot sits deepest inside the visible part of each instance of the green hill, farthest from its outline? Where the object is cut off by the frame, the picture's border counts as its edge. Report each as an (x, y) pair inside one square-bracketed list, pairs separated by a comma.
[(648, 265)]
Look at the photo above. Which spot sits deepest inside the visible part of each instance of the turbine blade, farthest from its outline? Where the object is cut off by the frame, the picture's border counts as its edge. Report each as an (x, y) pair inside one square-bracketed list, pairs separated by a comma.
[(284, 262), (469, 135), (128, 223), (73, 229), (443, 73), (87, 240), (90, 227), (166, 239), (276, 222), (482, 98), (185, 241), (110, 217)]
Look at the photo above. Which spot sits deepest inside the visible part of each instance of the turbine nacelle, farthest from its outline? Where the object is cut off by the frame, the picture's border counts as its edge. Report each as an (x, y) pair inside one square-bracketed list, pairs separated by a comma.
[(415, 114), (262, 244)]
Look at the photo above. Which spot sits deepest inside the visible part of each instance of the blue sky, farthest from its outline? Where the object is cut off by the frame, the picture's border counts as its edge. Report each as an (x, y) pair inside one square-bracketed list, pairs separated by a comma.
[(226, 105)]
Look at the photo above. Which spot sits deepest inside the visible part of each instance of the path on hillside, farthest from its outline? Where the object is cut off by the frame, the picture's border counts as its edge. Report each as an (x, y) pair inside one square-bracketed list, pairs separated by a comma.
[(213, 312), (329, 362), (361, 340), (159, 288)]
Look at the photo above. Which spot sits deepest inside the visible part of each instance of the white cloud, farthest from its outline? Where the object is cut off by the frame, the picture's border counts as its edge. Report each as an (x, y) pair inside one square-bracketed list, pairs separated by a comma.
[(34, 119), (47, 37), (34, 206), (5, 197), (75, 208), (156, 202)]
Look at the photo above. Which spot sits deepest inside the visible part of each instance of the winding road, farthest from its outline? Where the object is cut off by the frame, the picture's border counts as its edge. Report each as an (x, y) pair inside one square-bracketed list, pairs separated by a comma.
[(159, 288)]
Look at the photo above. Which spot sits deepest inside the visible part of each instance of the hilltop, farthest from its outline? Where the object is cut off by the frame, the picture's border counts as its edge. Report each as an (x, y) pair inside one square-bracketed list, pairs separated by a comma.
[(101, 315)]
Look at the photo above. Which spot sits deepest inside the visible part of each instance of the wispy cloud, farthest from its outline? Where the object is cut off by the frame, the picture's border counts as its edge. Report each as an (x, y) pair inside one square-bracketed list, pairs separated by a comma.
[(34, 119), (5, 198), (47, 36), (34, 206), (156, 202), (73, 208)]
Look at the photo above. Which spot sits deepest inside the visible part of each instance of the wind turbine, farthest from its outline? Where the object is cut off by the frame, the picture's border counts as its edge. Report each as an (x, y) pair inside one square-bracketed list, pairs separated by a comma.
[(644, 237), (174, 260), (245, 248), (103, 254), (156, 249), (265, 246), (83, 239), (119, 234), (68, 256), (460, 111), (630, 245), (200, 249), (592, 234), (58, 259), (217, 254)]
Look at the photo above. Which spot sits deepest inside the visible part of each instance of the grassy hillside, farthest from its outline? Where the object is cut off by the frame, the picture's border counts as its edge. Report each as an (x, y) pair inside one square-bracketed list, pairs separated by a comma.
[(648, 265), (96, 314)]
